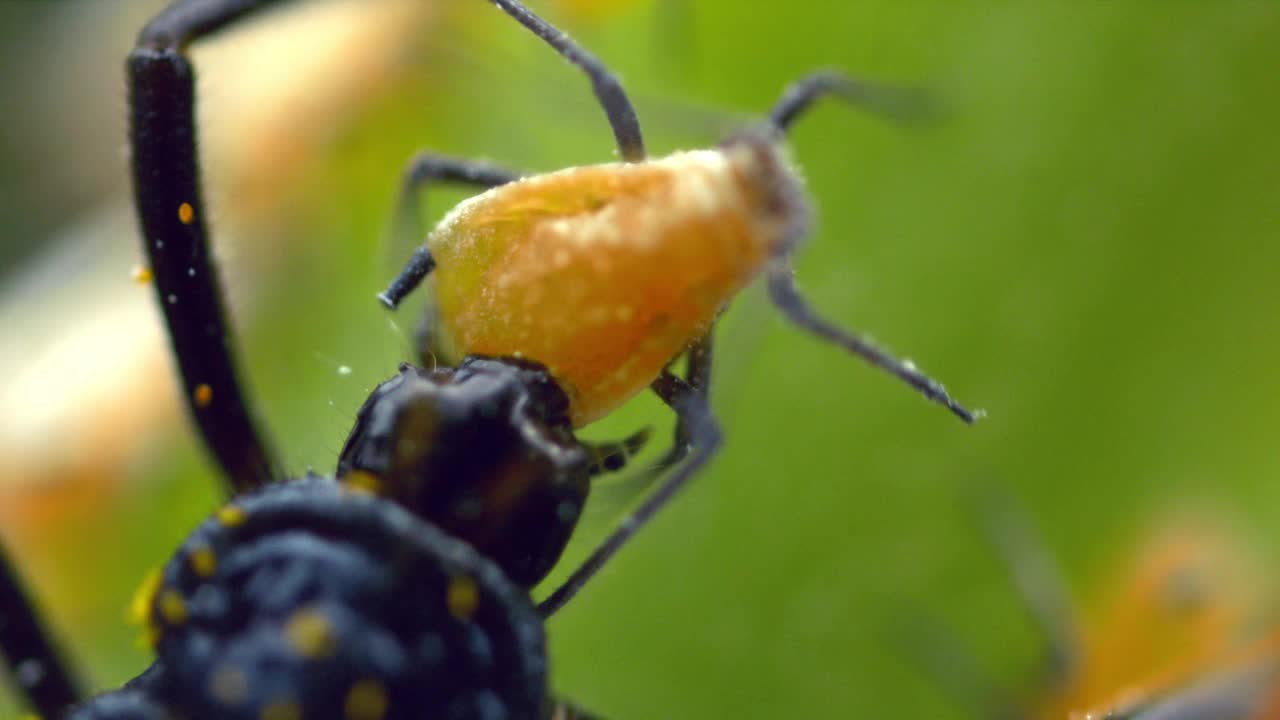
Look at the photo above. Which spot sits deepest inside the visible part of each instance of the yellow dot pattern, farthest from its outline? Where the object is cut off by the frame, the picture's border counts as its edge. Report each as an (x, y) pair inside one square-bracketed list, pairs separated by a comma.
[(172, 607), (281, 710), (202, 395), (204, 562), (231, 516), (143, 597), (367, 700), (310, 634), (462, 597), (362, 481)]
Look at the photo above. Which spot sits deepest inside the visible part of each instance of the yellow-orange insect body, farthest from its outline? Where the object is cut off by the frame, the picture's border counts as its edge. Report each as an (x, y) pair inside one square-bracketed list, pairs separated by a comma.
[(606, 273)]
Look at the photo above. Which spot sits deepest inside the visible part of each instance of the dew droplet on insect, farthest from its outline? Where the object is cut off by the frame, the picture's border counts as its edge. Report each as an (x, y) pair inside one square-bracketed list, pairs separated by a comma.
[(171, 299), (344, 369), (191, 272)]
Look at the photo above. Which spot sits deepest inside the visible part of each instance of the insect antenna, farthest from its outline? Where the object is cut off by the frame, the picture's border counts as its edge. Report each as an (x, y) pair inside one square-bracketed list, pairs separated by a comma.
[(899, 105)]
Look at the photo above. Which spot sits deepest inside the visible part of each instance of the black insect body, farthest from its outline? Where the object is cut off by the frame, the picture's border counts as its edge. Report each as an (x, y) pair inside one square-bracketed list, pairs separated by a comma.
[(400, 587)]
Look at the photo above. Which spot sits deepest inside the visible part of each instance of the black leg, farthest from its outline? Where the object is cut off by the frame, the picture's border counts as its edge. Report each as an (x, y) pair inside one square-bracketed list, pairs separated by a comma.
[(607, 457), (35, 665), (692, 408), (900, 105), (698, 375), (423, 169), (171, 211), (618, 108), (786, 296)]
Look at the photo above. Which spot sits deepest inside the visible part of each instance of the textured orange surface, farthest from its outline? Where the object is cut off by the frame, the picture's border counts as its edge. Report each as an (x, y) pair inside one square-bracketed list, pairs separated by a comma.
[(606, 273), (1179, 616)]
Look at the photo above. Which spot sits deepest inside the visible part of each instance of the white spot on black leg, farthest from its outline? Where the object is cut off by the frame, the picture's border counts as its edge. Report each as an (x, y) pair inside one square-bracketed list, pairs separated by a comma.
[(29, 673)]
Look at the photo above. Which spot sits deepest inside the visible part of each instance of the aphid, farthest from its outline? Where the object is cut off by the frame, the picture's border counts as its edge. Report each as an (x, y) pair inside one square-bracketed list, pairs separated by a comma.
[(1178, 637), (401, 587), (606, 274)]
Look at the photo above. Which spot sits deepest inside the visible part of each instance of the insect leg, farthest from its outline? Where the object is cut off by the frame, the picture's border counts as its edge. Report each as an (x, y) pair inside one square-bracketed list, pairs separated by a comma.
[(424, 168), (171, 211), (903, 106), (786, 296), (607, 457), (617, 106), (26, 645), (698, 375), (704, 431)]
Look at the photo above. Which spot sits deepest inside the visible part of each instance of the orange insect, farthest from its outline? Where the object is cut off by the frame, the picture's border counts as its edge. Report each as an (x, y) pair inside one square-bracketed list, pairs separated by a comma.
[(1183, 636), (604, 275)]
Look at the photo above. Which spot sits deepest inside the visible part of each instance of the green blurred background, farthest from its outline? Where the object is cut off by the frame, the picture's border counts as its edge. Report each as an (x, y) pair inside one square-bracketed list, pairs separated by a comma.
[(1086, 248)]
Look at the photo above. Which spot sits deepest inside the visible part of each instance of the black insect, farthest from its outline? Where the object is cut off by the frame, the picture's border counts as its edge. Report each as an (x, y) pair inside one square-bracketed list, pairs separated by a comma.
[(400, 587)]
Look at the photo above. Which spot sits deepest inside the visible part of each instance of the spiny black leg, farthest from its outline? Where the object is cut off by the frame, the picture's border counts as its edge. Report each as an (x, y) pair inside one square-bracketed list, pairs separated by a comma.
[(692, 407), (424, 168), (900, 105), (618, 108), (698, 374), (607, 457), (171, 211), (786, 296), (35, 666)]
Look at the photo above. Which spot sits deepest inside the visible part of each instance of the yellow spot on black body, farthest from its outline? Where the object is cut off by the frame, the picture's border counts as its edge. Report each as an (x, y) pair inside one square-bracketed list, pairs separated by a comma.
[(229, 685), (140, 609), (204, 562), (311, 634), (362, 481), (142, 274), (186, 213), (367, 700), (144, 597), (462, 597), (172, 607), (281, 710), (203, 395), (231, 516)]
